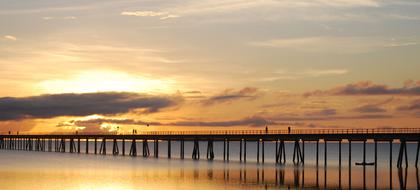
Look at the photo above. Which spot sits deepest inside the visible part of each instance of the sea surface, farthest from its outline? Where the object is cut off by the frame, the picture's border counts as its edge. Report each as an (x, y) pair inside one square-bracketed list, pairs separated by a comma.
[(51, 170)]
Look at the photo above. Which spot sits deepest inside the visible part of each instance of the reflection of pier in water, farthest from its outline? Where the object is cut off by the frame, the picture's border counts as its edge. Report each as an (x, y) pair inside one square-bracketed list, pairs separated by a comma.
[(293, 177)]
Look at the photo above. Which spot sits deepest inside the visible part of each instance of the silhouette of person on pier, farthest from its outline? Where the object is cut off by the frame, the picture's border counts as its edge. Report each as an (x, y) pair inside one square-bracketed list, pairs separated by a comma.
[(288, 129), (266, 130)]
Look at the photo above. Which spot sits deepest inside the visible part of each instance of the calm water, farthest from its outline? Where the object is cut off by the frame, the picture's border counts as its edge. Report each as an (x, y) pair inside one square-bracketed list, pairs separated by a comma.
[(44, 170)]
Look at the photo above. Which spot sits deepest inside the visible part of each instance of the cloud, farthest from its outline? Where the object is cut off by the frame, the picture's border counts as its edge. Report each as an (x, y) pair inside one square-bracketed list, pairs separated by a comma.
[(368, 88), (248, 93), (331, 117), (162, 15), (289, 75), (373, 107), (323, 112), (10, 37), (70, 104), (369, 109), (253, 121), (334, 44), (59, 18), (413, 106)]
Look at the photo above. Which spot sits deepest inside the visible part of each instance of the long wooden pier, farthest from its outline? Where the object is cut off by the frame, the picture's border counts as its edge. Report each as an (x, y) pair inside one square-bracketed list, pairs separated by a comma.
[(72, 142)]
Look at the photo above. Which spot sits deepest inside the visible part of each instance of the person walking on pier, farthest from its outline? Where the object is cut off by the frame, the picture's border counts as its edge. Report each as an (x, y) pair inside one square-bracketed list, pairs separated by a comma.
[(266, 130), (288, 129)]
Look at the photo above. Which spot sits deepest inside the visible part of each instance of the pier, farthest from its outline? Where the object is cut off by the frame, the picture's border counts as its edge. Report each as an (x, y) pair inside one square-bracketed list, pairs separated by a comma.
[(72, 143)]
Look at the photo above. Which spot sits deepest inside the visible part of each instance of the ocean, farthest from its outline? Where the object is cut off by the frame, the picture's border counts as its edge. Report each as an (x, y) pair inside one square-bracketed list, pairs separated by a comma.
[(51, 170)]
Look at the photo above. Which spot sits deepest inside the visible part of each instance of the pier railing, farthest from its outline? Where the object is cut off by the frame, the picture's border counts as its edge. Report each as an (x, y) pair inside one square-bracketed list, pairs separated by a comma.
[(246, 132)]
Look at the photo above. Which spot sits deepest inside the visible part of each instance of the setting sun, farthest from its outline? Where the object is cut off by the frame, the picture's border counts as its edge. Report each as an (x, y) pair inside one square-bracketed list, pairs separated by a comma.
[(103, 81)]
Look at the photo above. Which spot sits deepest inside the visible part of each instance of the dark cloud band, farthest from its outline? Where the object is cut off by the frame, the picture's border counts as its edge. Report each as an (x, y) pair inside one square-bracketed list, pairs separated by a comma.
[(106, 103)]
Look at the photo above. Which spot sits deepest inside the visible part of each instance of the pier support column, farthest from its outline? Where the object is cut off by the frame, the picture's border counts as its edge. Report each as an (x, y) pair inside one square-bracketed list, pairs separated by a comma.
[(390, 154), (297, 153), (133, 148), (78, 145), (262, 151), (96, 145), (244, 150), (258, 151), (325, 153), (123, 146), (240, 150), (156, 148), (169, 148), (102, 148), (196, 151), (349, 154), (227, 150), (281, 154), (364, 152), (317, 153), (115, 150), (402, 153), (146, 151), (87, 146), (72, 146), (210, 152), (417, 154), (339, 154), (181, 146), (303, 152), (224, 149), (49, 145), (62, 145)]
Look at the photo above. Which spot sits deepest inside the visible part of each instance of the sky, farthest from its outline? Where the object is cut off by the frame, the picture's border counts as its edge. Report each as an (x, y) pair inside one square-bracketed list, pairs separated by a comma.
[(97, 66)]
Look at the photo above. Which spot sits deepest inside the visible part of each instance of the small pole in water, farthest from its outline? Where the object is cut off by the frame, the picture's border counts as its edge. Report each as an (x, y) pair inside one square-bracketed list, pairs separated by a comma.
[(364, 151), (317, 152), (244, 150), (339, 154), (240, 150), (325, 153)]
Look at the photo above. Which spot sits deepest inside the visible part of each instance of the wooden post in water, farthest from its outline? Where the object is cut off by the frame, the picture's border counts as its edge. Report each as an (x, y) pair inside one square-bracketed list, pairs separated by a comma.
[(325, 153), (224, 149), (258, 151), (364, 152), (96, 145), (339, 154), (244, 150), (87, 145), (123, 146), (78, 145), (317, 152), (156, 148), (227, 150), (262, 150), (349, 154), (240, 150), (181, 145), (303, 152), (417, 153), (169, 148)]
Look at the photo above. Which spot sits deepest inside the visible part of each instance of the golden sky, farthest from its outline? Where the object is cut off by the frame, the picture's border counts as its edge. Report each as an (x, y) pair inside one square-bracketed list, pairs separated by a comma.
[(106, 65)]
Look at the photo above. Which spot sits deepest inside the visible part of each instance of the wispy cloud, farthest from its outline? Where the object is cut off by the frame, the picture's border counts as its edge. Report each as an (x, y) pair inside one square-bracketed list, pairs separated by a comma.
[(95, 123), (369, 88), (290, 75), (230, 95), (160, 14), (59, 18), (331, 44), (10, 37)]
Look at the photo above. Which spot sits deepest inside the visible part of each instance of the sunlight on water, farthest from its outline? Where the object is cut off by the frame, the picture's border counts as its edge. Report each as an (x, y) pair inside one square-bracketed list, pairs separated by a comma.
[(44, 170)]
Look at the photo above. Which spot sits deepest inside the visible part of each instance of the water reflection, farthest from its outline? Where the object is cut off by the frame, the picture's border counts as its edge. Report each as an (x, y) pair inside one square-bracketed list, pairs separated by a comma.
[(129, 173), (291, 177)]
